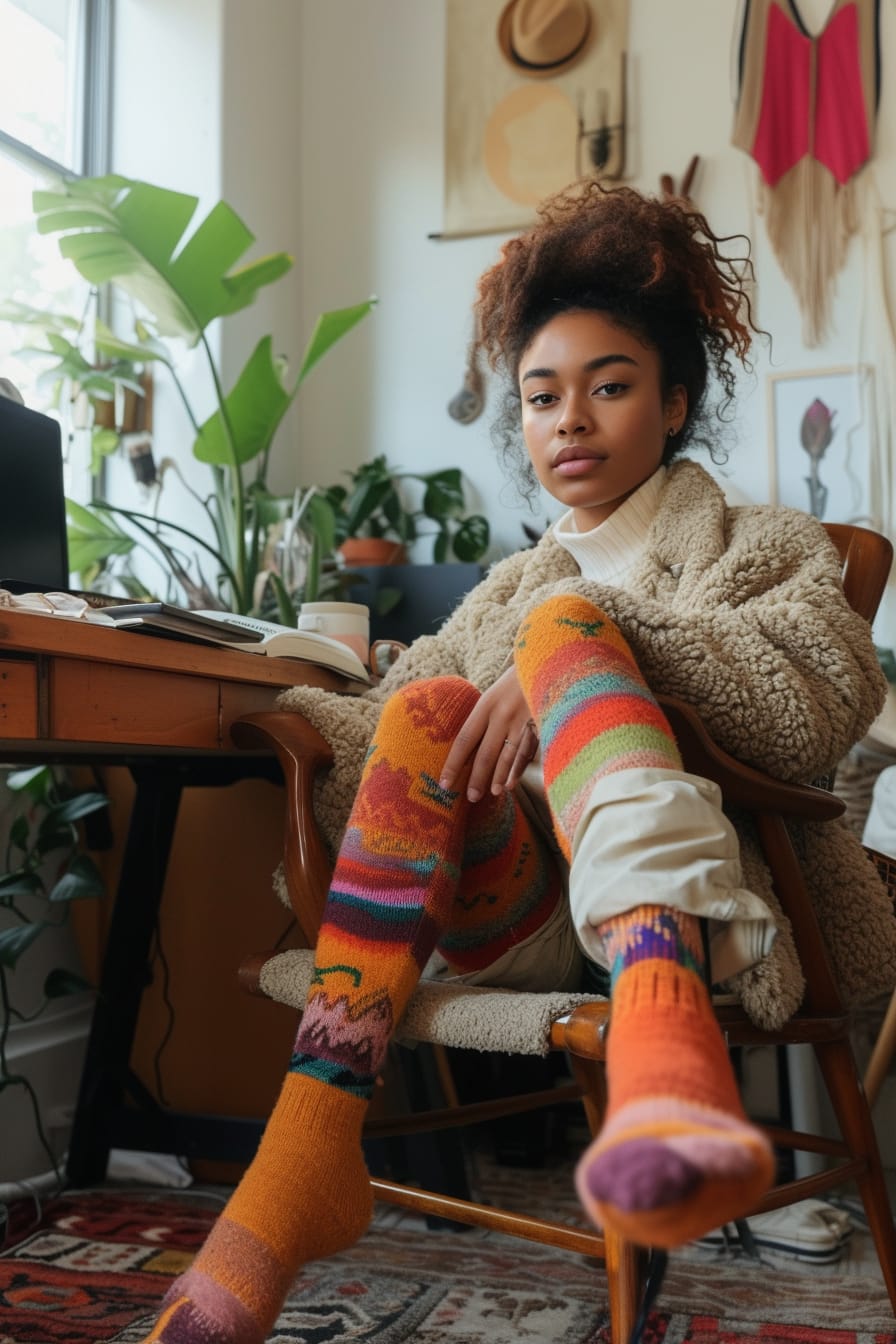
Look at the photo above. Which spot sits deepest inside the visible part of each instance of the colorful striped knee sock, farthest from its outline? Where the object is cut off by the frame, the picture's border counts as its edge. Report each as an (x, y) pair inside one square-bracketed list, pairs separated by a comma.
[(676, 1156), (401, 880), (594, 710)]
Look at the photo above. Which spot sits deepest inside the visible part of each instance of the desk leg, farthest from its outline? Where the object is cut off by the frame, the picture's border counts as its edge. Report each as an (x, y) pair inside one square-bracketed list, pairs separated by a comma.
[(125, 970)]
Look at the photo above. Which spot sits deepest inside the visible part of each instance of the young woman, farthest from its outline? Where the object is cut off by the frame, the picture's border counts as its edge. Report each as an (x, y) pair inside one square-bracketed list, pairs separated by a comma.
[(510, 801)]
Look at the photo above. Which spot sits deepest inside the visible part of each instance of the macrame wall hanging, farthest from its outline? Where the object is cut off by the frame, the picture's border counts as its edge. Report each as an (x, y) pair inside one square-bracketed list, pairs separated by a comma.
[(806, 112)]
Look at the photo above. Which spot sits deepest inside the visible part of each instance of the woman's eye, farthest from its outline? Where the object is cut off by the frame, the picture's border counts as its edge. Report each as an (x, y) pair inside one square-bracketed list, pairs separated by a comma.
[(542, 399), (610, 389)]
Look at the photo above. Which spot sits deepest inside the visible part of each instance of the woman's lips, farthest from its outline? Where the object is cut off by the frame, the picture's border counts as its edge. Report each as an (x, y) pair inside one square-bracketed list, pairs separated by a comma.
[(576, 461)]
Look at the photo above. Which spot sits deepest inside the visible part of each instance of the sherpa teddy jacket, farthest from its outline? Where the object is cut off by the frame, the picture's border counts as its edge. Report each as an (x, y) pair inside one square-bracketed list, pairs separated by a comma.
[(740, 612)]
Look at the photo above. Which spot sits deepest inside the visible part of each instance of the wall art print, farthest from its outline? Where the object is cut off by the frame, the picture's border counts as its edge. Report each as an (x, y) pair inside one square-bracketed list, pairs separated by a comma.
[(821, 444), (534, 90)]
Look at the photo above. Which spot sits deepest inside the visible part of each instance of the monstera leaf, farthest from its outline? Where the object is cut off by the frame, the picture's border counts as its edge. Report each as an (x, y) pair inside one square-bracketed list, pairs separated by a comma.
[(133, 234)]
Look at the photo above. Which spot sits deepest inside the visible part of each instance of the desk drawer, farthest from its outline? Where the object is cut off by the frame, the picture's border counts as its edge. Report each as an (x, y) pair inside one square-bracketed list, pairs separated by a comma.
[(18, 699), (107, 702)]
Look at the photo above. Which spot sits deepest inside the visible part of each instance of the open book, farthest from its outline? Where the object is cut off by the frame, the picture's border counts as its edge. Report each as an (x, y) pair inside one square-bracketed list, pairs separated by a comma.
[(243, 633)]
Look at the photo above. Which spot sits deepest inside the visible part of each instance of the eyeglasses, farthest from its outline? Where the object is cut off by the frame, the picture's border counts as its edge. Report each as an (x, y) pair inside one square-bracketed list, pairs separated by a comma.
[(47, 604)]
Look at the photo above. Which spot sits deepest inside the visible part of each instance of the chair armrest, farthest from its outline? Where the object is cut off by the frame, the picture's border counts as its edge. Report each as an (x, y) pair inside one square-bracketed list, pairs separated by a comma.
[(302, 753), (742, 785)]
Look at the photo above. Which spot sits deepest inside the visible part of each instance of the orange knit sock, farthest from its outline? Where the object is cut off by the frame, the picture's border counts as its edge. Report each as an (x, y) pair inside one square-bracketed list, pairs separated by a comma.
[(305, 1195), (677, 1155)]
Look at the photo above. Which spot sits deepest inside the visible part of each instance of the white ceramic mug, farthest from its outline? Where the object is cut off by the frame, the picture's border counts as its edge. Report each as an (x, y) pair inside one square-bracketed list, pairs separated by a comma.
[(349, 622)]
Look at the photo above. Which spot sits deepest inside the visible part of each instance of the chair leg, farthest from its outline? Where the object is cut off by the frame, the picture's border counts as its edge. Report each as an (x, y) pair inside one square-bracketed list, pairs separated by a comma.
[(626, 1263), (881, 1054), (838, 1068), (626, 1272)]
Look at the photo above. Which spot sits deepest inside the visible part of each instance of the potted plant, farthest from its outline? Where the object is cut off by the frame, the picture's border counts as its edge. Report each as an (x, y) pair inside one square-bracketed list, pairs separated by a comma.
[(44, 870), (107, 397), (134, 235), (374, 522)]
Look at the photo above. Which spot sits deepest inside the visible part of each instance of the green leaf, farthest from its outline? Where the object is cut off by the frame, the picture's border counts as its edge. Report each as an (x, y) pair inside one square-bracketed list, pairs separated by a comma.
[(82, 879), (36, 781), (113, 347), (18, 833), (133, 233), (321, 521), (254, 409), (444, 494), (387, 599), (471, 538), (92, 538), (77, 806), (103, 443), (27, 316), (17, 884), (887, 661), (14, 942), (286, 609), (440, 546), (52, 836), (330, 328), (60, 982)]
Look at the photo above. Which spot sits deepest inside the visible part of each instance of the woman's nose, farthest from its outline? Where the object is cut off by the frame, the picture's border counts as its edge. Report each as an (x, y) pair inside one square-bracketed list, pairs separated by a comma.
[(575, 418)]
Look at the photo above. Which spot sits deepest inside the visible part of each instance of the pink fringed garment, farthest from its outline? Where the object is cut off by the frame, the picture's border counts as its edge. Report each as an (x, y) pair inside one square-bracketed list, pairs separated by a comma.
[(806, 112)]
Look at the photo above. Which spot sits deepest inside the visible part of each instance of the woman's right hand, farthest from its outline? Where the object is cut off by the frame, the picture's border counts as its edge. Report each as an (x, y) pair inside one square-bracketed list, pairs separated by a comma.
[(499, 737)]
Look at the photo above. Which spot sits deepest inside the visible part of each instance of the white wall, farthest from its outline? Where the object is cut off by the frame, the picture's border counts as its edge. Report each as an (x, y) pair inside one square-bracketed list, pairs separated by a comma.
[(321, 122), (371, 150)]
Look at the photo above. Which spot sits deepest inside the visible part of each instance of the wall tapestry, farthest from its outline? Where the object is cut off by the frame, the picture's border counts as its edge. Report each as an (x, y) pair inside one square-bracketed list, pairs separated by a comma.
[(806, 112), (534, 98)]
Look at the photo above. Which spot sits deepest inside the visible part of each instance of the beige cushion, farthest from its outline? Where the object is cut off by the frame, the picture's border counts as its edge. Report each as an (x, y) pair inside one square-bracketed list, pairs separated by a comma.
[(443, 1013)]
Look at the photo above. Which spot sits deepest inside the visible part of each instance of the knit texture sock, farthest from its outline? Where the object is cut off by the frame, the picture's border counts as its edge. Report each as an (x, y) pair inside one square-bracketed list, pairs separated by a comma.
[(305, 1195), (510, 883), (677, 1155), (403, 877), (595, 712)]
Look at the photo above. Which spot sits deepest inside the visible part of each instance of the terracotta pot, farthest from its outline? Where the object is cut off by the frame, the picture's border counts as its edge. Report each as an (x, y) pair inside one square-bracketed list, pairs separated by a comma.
[(357, 551)]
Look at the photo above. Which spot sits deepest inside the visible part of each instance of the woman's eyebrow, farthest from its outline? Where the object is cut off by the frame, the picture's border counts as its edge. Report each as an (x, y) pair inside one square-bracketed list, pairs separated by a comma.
[(591, 367)]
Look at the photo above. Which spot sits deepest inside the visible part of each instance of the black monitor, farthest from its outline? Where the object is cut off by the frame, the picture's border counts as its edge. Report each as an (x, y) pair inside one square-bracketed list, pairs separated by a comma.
[(33, 547)]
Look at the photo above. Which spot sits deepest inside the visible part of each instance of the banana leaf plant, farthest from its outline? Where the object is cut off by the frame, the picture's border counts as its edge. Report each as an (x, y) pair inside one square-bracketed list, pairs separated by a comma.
[(139, 238)]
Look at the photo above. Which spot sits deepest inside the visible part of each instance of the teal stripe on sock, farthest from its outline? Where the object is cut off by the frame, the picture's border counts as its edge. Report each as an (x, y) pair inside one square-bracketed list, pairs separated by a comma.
[(586, 691)]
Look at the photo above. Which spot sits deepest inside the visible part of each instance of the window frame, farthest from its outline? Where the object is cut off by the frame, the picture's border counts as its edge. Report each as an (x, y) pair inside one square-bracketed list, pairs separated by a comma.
[(94, 58)]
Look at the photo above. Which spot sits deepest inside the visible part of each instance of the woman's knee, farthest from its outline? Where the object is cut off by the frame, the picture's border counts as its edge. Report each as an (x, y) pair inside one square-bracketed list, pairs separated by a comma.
[(437, 705), (565, 610)]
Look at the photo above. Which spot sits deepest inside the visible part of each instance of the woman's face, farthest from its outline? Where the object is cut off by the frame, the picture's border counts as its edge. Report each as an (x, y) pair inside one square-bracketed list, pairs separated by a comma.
[(595, 418)]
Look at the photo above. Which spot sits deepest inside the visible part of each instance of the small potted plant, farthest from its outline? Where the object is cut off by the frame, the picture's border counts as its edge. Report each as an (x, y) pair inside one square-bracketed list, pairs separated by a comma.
[(375, 523)]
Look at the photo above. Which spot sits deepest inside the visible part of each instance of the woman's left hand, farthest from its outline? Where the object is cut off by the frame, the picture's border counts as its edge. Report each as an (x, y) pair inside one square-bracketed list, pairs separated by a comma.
[(500, 738)]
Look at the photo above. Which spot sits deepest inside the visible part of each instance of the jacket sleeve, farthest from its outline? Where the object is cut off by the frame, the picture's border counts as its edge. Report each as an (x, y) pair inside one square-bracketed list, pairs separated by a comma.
[(763, 643)]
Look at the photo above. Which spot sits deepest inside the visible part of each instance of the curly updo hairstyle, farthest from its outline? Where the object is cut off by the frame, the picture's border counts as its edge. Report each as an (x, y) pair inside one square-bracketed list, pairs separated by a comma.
[(653, 267)]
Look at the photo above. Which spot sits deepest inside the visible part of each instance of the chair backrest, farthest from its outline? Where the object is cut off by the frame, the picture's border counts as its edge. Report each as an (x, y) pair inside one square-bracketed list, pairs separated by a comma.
[(867, 557)]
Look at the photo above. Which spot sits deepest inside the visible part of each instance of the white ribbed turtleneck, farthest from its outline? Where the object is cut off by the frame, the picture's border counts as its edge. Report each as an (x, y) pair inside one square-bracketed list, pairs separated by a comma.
[(611, 550)]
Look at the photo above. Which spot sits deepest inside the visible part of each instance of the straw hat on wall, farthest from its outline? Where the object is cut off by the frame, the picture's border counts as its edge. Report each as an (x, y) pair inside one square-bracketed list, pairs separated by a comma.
[(542, 38)]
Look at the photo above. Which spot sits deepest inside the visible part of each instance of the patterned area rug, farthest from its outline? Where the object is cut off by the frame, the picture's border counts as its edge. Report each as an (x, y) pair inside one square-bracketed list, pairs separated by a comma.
[(99, 1261)]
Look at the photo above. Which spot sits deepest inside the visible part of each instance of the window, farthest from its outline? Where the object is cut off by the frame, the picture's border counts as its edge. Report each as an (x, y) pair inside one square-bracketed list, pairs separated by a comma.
[(53, 99)]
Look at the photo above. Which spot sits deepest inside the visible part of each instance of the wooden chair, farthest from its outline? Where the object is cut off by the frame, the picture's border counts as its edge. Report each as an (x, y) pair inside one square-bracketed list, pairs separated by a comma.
[(577, 1027)]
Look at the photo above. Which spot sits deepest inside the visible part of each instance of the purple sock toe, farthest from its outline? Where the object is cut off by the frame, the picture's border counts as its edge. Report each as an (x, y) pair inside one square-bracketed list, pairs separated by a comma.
[(641, 1174)]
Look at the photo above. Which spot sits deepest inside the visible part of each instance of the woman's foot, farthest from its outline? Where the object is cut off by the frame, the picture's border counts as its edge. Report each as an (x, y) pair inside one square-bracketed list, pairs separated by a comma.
[(677, 1155), (305, 1196)]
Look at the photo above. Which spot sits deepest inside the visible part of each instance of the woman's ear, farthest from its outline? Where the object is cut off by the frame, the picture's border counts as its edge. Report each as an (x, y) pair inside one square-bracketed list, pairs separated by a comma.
[(675, 408)]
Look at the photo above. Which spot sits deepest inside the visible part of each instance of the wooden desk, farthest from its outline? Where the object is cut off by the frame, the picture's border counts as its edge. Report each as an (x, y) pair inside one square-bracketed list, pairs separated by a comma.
[(70, 692)]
